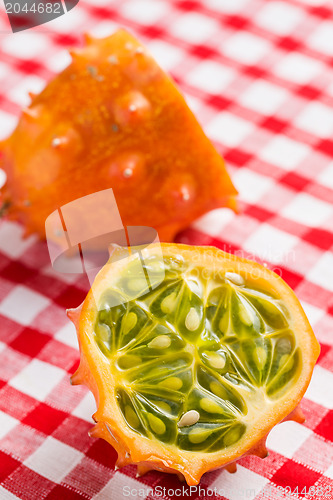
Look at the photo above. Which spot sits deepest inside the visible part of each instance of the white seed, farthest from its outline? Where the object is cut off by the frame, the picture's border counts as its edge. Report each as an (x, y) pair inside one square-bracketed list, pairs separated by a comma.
[(216, 360), (235, 278), (160, 342), (169, 303), (192, 320), (189, 418)]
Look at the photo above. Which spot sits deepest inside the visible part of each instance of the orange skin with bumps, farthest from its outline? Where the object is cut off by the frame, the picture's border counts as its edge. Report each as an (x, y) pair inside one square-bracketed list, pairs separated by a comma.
[(113, 119)]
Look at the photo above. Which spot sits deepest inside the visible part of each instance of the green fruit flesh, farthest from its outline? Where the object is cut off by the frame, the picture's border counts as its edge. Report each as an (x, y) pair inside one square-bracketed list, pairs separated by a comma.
[(216, 346)]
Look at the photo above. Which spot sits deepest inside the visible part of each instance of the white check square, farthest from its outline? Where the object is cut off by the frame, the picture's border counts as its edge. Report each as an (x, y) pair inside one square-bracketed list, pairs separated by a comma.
[(210, 76), (167, 55), (11, 240), (85, 408), (321, 38), (284, 152), (7, 124), (67, 335), (37, 379), (227, 6), (213, 222), (314, 314), (23, 305), (326, 176), (242, 484), (53, 459), (104, 28), (320, 390), (144, 11), (194, 28), (271, 244), (245, 47), (122, 486), (250, 185), (7, 423), (279, 17), (287, 438), (58, 61), (308, 210), (26, 45), (329, 472), (322, 272), (298, 68), (19, 93), (317, 119), (264, 97), (4, 70), (228, 129)]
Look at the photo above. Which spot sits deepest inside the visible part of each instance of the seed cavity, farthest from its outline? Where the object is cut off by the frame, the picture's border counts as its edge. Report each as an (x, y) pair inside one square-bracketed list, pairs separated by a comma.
[(198, 435), (131, 417), (210, 406), (169, 303), (245, 315), (215, 360), (129, 322), (103, 332), (160, 342), (157, 425), (192, 320), (260, 357), (174, 383), (232, 436), (189, 418), (129, 361), (283, 360), (284, 346), (218, 390), (235, 278), (163, 405)]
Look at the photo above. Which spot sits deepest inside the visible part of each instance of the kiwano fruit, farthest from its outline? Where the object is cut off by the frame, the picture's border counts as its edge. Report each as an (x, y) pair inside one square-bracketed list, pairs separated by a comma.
[(193, 355), (113, 119)]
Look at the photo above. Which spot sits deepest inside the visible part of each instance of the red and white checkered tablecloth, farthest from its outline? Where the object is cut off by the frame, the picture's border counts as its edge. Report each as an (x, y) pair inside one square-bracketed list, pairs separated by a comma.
[(259, 76)]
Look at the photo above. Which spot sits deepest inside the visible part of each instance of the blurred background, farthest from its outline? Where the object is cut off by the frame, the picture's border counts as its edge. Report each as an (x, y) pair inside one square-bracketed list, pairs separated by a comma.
[(258, 75)]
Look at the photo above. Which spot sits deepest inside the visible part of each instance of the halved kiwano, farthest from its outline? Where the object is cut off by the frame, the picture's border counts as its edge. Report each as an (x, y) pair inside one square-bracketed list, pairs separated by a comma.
[(193, 359), (113, 119)]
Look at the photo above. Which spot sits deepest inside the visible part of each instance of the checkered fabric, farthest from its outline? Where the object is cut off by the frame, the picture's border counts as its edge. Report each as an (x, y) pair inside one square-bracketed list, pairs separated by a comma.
[(259, 76)]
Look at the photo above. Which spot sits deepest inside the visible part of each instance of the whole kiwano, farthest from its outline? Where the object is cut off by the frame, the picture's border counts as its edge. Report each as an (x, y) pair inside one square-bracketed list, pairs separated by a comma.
[(113, 119)]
